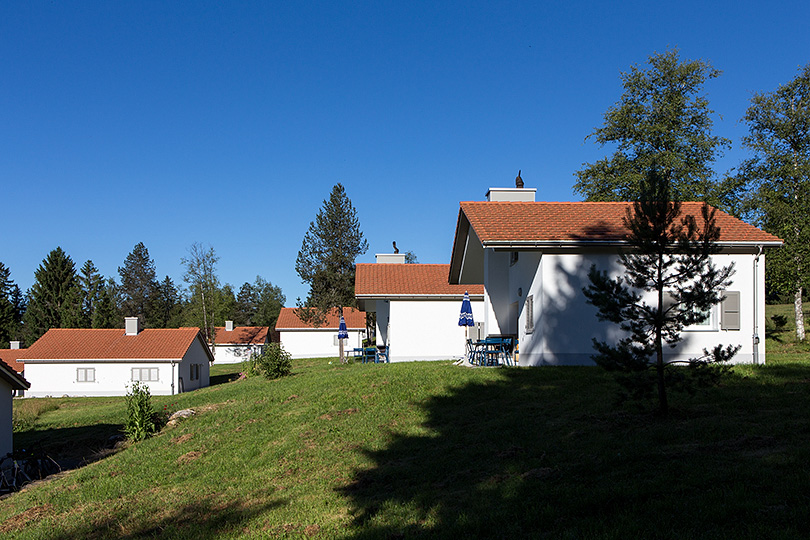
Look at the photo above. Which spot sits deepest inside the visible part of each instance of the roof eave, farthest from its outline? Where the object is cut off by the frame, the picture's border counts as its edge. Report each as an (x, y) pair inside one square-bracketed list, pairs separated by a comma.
[(549, 244)]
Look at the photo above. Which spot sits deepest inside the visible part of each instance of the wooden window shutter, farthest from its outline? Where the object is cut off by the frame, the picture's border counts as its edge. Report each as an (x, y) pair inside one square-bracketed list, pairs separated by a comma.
[(730, 308)]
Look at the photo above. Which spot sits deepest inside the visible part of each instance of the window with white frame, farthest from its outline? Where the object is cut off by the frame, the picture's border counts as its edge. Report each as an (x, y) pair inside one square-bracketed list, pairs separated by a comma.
[(145, 374), (85, 374), (709, 321)]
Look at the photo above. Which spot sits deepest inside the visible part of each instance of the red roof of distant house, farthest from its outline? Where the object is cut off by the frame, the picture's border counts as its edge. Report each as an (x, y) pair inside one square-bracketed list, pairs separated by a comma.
[(13, 358), (355, 320), (415, 280), (8, 374), (241, 335), (520, 222), (112, 344)]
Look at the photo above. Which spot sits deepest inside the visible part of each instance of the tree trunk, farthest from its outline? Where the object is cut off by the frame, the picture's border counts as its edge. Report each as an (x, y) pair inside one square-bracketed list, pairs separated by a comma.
[(797, 309)]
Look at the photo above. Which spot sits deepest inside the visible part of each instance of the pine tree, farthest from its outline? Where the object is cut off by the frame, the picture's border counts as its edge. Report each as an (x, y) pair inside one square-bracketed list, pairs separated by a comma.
[(779, 174), (663, 120), (107, 313), (258, 304), (138, 285), (326, 258), (669, 283), (167, 306), (92, 285), (7, 311), (52, 295)]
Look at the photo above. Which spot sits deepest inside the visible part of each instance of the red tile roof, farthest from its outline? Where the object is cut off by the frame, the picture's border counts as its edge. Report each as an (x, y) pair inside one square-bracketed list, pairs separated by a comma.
[(16, 380), (112, 344), (522, 222), (13, 358), (355, 320), (241, 335), (409, 280)]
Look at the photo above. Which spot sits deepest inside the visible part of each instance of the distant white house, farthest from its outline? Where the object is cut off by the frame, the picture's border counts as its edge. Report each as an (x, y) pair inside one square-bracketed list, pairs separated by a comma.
[(10, 382), (235, 344), (533, 259), (104, 362), (417, 308), (304, 340)]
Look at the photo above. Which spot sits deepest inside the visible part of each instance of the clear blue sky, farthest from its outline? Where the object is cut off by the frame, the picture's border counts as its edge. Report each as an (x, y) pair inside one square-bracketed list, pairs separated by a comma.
[(227, 123)]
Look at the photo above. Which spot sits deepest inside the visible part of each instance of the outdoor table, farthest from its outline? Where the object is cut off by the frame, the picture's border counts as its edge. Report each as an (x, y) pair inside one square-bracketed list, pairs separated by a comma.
[(491, 351)]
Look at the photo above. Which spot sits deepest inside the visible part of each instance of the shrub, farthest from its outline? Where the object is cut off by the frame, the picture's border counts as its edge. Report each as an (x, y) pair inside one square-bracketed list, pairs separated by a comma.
[(273, 362), (140, 422)]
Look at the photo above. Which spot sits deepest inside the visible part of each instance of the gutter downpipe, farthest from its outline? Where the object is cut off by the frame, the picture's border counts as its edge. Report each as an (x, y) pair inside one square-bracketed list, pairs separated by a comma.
[(755, 337), (172, 378)]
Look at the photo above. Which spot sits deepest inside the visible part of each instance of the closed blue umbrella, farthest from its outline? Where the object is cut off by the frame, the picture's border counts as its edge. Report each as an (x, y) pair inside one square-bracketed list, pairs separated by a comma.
[(342, 332), (466, 317)]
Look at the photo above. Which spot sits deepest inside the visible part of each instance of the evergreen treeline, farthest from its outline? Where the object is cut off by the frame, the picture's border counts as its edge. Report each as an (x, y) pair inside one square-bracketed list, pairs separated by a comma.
[(64, 297)]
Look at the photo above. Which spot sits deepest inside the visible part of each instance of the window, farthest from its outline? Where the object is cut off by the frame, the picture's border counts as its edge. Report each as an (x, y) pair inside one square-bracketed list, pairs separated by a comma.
[(144, 374), (708, 323), (336, 341), (529, 314), (195, 372), (85, 374), (730, 310), (513, 258)]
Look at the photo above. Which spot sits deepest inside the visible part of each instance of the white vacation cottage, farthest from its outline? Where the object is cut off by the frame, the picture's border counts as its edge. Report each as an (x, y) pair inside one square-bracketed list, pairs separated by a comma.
[(235, 344), (533, 259), (13, 357), (103, 362), (304, 340), (417, 308)]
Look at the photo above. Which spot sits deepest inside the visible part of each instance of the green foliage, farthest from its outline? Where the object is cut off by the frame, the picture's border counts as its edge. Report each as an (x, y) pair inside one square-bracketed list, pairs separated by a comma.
[(326, 258), (273, 362), (258, 304), (11, 309), (52, 300), (91, 285), (141, 419), (204, 293), (669, 263), (166, 305), (106, 313), (139, 285), (779, 180), (25, 412), (660, 120)]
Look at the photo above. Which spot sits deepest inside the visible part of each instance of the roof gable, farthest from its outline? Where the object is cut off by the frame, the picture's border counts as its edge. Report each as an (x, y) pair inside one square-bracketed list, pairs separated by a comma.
[(113, 344), (13, 358), (409, 280), (289, 320), (8, 374)]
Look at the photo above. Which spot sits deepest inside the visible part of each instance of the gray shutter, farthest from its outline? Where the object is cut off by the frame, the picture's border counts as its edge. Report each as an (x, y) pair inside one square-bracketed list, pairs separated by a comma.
[(530, 314), (730, 317)]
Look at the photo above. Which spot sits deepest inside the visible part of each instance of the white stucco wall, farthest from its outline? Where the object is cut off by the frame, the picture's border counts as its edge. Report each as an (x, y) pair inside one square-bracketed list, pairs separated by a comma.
[(423, 329), (6, 430), (565, 324), (113, 377), (318, 343), (234, 354)]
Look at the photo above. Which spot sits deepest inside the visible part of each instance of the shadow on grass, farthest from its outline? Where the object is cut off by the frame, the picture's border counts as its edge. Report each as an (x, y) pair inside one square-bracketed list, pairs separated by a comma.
[(204, 518), (543, 453), (222, 379), (71, 447)]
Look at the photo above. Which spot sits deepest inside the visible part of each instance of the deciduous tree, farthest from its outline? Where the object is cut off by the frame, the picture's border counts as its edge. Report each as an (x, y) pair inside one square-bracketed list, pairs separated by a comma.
[(662, 118), (779, 176), (203, 286)]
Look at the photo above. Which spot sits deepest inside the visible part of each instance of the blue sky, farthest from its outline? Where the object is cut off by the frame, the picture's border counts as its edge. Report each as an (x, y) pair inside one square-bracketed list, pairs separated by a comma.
[(170, 123)]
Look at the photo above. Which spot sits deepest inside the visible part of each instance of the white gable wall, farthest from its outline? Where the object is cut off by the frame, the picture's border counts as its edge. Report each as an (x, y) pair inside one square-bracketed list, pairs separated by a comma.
[(234, 354), (318, 343), (565, 324), (6, 428), (427, 329)]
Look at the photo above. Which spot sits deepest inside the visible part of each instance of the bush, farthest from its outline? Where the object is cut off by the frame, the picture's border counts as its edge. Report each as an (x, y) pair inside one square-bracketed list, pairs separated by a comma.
[(273, 362), (140, 422)]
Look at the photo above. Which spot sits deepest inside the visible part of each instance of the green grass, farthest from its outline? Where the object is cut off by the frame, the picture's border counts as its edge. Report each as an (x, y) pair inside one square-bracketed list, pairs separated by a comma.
[(433, 450)]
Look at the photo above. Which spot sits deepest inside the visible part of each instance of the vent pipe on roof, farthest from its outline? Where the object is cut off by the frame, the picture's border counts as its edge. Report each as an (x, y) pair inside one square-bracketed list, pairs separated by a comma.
[(131, 326), (14, 344), (229, 326)]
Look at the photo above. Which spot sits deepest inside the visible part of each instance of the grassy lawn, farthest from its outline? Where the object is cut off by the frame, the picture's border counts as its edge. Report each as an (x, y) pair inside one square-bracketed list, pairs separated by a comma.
[(433, 450)]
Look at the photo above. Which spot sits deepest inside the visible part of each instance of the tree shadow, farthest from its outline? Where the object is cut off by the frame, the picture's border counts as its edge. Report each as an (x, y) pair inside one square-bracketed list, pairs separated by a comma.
[(542, 453), (72, 447)]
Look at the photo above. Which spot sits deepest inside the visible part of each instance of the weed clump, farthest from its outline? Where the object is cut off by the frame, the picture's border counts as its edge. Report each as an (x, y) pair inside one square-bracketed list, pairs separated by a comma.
[(141, 417), (273, 362)]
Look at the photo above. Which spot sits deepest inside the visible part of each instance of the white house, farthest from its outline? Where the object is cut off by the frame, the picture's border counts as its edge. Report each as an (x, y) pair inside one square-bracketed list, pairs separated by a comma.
[(13, 358), (417, 308), (235, 344), (533, 259), (10, 382), (304, 340), (103, 362)]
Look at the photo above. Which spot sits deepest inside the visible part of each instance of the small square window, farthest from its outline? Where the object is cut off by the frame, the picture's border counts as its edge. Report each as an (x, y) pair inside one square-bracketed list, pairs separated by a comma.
[(85, 374)]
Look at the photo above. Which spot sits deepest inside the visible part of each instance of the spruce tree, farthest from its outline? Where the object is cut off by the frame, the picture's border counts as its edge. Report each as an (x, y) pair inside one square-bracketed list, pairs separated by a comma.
[(7, 311), (669, 282), (326, 258), (138, 285), (52, 296), (92, 285), (107, 314)]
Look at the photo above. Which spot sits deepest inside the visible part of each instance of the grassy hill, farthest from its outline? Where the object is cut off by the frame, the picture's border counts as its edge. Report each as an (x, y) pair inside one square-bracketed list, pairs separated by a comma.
[(433, 450)]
